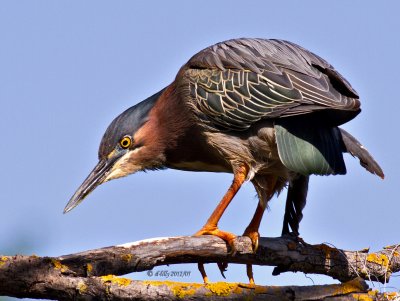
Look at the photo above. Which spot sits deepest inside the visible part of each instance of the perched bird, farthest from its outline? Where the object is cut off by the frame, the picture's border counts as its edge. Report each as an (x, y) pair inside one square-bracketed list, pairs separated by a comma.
[(266, 111)]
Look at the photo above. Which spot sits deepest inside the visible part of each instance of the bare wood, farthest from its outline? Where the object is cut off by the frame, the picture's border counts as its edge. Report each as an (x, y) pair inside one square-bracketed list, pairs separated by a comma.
[(80, 274)]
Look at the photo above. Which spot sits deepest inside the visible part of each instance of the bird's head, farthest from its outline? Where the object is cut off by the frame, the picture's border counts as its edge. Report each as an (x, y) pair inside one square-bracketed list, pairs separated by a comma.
[(127, 146)]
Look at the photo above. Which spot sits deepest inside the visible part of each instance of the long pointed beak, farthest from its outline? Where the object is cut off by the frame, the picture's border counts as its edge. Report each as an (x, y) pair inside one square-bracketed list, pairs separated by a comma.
[(95, 178)]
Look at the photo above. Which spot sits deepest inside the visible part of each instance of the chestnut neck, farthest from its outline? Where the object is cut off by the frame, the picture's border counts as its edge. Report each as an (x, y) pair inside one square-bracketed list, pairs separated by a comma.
[(168, 123), (177, 137)]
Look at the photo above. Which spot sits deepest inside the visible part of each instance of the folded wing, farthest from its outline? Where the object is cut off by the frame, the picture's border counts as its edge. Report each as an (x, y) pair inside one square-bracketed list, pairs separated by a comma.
[(238, 82)]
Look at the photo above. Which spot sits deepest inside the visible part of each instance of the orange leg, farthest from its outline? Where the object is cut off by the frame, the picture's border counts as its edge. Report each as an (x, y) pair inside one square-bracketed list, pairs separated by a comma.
[(211, 226)]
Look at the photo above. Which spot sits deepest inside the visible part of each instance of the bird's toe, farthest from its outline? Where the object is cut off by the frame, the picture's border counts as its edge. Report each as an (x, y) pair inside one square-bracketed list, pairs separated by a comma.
[(228, 237), (254, 236)]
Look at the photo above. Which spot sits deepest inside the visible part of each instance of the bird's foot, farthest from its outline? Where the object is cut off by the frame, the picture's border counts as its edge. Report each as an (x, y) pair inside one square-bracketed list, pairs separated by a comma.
[(254, 236), (249, 270), (227, 237), (203, 273)]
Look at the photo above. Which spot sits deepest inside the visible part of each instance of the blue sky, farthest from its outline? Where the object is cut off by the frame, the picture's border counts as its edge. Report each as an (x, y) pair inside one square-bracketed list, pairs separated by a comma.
[(67, 68)]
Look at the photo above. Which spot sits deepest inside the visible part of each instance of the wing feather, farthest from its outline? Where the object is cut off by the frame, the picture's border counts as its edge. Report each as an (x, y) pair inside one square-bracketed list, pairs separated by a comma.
[(238, 82)]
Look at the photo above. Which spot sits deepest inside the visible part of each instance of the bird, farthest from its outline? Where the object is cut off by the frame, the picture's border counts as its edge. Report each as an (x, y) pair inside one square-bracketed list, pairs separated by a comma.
[(267, 111)]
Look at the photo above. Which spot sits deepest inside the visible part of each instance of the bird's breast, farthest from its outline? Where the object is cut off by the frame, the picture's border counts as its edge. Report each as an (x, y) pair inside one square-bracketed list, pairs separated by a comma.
[(199, 166), (192, 152)]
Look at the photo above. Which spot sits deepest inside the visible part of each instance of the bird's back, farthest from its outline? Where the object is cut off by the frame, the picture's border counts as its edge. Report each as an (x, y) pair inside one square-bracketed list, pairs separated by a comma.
[(236, 83)]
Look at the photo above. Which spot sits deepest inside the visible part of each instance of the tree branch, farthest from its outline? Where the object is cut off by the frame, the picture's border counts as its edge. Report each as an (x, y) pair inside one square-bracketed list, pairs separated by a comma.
[(84, 275)]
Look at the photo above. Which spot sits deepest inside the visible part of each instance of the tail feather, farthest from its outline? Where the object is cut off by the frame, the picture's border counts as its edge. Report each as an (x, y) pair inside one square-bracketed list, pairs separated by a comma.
[(356, 149), (297, 190)]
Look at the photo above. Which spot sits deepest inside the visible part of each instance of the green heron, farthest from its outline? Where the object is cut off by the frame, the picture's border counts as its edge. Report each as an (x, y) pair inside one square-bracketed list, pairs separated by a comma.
[(266, 111)]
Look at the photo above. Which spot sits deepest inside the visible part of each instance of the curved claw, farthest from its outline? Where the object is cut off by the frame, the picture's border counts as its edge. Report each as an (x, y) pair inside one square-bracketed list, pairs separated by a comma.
[(254, 236), (222, 266)]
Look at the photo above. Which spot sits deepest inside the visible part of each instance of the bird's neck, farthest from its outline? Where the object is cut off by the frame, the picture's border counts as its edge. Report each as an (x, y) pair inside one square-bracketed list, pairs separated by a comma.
[(169, 121), (177, 138)]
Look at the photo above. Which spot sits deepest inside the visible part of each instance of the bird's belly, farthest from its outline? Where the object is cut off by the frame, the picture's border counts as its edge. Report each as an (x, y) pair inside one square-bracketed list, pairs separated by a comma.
[(255, 147)]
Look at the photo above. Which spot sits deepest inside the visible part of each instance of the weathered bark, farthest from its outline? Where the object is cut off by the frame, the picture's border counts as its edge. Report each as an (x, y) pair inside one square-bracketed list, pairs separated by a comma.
[(115, 288), (80, 275)]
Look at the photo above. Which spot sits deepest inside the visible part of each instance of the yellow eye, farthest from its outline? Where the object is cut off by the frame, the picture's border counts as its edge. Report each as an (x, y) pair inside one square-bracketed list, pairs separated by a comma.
[(125, 142)]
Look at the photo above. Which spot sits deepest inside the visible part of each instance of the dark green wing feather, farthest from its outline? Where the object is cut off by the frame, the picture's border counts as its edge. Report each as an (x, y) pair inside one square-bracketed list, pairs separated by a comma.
[(310, 150), (238, 82)]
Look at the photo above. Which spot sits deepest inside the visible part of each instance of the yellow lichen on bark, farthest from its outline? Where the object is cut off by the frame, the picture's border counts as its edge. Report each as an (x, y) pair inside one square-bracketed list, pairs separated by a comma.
[(180, 290), (116, 280), (89, 269), (373, 295), (392, 296), (222, 288), (363, 297), (3, 260), (352, 286), (82, 288), (127, 257), (379, 259), (59, 266)]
